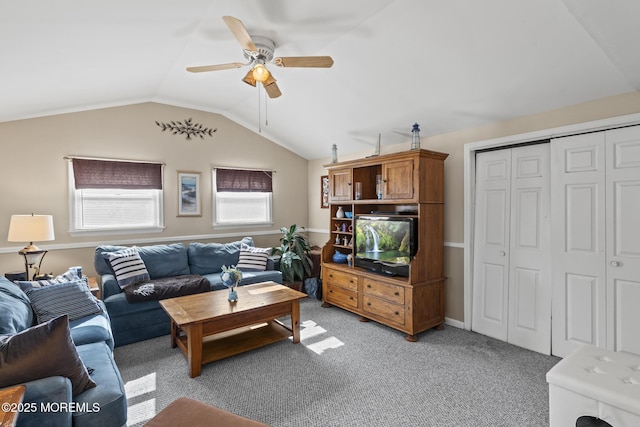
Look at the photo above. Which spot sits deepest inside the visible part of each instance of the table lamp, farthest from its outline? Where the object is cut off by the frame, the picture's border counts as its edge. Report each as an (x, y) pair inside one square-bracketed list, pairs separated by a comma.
[(31, 228)]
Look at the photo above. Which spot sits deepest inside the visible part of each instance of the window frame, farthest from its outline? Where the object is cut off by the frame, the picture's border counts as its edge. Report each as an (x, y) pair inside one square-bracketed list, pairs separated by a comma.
[(75, 231), (243, 223)]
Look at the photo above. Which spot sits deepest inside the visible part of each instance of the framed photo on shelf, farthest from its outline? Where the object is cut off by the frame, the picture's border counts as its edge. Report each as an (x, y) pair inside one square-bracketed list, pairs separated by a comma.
[(189, 203), (324, 191)]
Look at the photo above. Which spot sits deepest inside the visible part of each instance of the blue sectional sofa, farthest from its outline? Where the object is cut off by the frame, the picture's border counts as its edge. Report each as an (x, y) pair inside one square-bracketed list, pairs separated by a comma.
[(133, 322), (55, 355)]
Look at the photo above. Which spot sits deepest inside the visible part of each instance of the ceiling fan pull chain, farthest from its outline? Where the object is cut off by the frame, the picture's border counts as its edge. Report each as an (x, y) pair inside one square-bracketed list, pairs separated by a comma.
[(266, 110), (259, 108)]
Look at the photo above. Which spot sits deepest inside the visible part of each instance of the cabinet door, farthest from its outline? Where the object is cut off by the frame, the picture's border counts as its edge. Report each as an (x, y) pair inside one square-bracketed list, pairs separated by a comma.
[(340, 183), (397, 180)]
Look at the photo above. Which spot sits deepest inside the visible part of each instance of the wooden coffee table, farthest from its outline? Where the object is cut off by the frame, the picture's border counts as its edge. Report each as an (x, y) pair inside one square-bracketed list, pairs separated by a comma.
[(207, 327)]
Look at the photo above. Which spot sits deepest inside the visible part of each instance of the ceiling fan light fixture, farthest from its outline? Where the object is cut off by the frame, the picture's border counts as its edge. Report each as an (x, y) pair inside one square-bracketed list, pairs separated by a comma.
[(270, 80), (260, 73), (248, 78)]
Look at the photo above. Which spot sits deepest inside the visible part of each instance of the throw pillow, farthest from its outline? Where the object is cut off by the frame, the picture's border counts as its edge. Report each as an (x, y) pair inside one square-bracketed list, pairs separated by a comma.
[(25, 285), (252, 259), (42, 351), (127, 266), (73, 299)]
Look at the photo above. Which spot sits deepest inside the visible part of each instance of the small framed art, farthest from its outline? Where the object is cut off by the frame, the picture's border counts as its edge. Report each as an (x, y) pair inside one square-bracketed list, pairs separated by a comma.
[(324, 191), (189, 203)]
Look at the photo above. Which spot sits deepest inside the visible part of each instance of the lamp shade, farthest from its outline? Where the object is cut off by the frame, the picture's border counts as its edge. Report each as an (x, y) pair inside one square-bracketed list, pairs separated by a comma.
[(31, 228)]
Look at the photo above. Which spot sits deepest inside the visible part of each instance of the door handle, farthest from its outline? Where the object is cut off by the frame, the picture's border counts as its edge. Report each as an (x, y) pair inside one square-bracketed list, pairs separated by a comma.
[(614, 263), (502, 253)]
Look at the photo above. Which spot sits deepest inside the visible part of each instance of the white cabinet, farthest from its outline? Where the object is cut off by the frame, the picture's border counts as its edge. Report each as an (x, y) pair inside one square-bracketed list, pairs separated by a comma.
[(596, 240), (511, 276)]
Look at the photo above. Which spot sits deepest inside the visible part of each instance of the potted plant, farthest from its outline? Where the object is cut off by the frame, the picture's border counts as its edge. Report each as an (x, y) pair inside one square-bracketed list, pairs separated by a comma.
[(295, 255)]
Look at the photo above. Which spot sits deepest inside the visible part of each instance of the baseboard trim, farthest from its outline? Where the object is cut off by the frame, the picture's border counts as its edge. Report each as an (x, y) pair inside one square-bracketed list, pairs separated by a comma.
[(453, 322)]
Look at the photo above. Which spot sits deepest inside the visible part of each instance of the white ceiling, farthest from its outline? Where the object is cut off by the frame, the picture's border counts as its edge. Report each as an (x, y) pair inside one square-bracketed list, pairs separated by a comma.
[(447, 65)]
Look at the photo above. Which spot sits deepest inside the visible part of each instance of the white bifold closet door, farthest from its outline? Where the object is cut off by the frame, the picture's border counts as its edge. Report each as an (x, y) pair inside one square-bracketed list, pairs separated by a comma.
[(512, 274), (596, 241)]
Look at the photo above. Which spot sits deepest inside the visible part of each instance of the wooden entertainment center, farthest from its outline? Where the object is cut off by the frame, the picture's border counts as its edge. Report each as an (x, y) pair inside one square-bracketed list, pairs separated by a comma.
[(411, 183)]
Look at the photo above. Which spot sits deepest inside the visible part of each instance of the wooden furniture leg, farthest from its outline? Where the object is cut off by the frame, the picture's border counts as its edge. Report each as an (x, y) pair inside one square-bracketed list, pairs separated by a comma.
[(295, 321), (194, 349), (174, 334)]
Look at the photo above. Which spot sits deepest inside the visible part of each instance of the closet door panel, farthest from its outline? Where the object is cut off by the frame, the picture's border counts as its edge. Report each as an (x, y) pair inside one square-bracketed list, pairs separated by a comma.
[(491, 244), (623, 238), (578, 243), (529, 261)]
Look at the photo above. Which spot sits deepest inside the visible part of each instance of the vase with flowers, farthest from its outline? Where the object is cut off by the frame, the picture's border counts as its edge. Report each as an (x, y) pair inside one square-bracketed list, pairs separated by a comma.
[(230, 277)]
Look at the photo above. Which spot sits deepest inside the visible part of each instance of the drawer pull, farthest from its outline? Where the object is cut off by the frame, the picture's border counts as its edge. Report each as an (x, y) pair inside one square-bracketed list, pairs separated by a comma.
[(331, 275), (397, 313), (369, 304), (396, 294), (351, 298), (369, 286)]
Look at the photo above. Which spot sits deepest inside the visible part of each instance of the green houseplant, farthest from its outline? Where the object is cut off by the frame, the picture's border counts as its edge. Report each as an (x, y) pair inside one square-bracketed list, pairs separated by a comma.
[(295, 255)]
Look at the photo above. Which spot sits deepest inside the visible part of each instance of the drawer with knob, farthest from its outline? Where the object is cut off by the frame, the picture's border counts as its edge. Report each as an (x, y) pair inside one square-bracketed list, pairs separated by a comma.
[(340, 296), (339, 278), (384, 290), (380, 308)]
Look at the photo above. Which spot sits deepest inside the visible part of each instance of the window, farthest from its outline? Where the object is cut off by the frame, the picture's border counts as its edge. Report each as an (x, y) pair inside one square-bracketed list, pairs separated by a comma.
[(108, 196), (242, 197)]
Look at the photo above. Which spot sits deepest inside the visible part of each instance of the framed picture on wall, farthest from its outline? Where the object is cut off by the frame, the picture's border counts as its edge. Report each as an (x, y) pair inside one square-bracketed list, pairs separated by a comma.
[(324, 191), (189, 203)]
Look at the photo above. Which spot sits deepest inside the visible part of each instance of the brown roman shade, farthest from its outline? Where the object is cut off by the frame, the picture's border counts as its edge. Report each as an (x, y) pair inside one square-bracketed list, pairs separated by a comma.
[(90, 173), (245, 181)]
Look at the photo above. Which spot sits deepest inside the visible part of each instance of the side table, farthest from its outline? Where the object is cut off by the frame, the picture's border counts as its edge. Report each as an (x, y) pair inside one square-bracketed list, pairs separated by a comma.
[(13, 397), (93, 287)]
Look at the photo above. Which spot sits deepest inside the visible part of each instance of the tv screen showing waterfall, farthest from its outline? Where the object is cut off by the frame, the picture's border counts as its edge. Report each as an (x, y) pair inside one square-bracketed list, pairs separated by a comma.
[(385, 244)]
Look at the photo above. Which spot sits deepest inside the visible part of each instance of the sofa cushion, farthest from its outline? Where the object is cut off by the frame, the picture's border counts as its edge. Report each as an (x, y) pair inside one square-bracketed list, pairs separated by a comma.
[(252, 259), (42, 351), (207, 258), (15, 308), (73, 299), (127, 266), (160, 260), (248, 278), (92, 329), (105, 404)]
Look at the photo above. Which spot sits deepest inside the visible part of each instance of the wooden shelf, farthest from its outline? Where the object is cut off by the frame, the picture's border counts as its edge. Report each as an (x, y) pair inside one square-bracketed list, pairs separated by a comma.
[(236, 341)]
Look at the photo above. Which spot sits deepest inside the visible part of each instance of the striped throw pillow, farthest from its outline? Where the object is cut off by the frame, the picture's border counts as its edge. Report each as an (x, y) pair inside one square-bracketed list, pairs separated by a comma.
[(252, 259), (73, 299), (127, 266)]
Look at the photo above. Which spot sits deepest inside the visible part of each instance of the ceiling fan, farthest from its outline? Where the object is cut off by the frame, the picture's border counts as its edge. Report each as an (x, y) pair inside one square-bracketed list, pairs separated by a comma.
[(260, 51)]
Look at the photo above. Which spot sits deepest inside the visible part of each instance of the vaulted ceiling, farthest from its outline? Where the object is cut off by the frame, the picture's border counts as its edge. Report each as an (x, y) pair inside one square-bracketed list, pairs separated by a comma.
[(447, 65)]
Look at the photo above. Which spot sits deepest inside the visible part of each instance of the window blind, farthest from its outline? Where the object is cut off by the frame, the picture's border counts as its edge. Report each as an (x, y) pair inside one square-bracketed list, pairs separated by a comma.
[(89, 173), (244, 181)]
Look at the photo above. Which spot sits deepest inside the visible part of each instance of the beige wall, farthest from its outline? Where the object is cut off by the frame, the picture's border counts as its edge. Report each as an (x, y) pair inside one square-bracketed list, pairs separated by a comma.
[(34, 174), (453, 144), (33, 177)]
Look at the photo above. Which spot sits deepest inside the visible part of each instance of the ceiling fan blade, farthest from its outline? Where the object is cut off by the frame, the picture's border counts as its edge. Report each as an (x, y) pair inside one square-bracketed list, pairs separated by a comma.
[(240, 32), (304, 61), (204, 68), (272, 89)]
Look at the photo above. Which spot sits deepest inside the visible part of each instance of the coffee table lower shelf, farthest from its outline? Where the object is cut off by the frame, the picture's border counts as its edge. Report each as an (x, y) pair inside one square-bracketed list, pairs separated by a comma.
[(236, 341)]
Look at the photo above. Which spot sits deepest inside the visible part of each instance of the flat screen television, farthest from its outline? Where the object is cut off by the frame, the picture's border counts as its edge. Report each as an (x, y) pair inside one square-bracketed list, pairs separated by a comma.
[(385, 244)]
